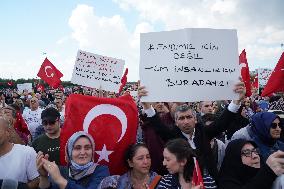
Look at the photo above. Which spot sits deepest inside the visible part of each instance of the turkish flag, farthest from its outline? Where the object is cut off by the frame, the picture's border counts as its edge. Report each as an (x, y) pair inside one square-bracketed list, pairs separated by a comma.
[(40, 87), (245, 72), (197, 178), (111, 121), (255, 82), (276, 80), (10, 83), (50, 74), (123, 81)]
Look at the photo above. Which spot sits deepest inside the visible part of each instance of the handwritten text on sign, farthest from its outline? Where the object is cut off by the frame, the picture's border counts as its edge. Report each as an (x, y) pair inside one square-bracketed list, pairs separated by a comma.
[(96, 71), (189, 65)]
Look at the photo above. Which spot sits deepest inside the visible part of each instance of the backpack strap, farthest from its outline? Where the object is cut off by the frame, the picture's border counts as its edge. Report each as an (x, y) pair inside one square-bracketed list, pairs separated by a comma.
[(155, 181)]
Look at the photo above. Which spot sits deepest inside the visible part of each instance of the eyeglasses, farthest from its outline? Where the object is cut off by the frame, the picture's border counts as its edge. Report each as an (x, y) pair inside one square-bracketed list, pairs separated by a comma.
[(274, 125), (48, 122), (248, 152)]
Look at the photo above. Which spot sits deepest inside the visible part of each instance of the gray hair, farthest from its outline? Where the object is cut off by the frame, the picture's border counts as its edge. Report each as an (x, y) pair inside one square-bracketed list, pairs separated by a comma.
[(184, 108)]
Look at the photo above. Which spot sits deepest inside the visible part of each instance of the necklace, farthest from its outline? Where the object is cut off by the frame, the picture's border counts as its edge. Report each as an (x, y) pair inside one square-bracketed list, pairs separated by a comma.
[(139, 184)]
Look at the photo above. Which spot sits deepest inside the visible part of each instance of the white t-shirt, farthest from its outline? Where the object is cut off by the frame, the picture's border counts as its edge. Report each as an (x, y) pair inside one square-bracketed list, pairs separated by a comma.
[(19, 164), (33, 119)]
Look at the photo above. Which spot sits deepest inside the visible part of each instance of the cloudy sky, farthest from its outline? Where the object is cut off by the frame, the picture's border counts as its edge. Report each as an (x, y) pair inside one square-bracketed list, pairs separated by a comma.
[(31, 28)]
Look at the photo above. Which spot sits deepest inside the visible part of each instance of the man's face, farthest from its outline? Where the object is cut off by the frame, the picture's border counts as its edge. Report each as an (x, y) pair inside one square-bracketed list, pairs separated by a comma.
[(207, 107), (34, 103), (159, 107), (111, 95), (51, 126), (59, 94), (185, 121), (58, 102)]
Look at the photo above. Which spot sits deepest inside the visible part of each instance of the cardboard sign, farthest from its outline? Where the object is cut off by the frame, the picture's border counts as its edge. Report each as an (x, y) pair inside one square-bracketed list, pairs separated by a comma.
[(189, 65), (25, 86), (96, 71)]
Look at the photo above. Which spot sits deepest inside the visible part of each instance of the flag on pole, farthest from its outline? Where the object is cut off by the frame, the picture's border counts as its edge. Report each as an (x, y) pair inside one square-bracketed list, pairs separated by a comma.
[(245, 72), (50, 74), (276, 80)]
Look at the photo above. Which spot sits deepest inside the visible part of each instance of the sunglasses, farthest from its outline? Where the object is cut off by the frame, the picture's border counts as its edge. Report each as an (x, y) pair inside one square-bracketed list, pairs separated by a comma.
[(48, 122), (274, 125), (248, 152)]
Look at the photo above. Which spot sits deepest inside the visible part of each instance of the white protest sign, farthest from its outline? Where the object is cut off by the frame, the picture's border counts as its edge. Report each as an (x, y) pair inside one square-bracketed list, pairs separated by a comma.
[(263, 76), (96, 71), (25, 86), (189, 65), (134, 95)]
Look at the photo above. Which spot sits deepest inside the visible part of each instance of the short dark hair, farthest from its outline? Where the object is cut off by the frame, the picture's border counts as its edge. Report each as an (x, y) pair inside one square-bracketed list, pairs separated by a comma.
[(50, 113)]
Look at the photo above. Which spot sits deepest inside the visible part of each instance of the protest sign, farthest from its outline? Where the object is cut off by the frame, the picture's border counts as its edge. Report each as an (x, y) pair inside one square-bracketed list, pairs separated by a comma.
[(263, 76), (25, 86), (96, 71), (189, 65)]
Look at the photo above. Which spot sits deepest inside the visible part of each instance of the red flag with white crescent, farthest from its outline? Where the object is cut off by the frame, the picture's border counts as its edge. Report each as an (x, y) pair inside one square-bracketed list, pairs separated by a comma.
[(276, 80), (243, 63), (111, 121), (50, 74)]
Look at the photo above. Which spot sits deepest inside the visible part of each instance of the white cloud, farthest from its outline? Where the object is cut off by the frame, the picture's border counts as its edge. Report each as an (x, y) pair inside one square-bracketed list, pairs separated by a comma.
[(259, 23), (107, 36)]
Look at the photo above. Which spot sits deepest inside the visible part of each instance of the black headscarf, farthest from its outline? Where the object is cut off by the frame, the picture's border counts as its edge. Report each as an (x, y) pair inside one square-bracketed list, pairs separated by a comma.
[(232, 168)]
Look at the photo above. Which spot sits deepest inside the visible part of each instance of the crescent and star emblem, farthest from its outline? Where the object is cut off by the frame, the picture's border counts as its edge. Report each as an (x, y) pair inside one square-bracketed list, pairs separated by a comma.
[(45, 69), (105, 109)]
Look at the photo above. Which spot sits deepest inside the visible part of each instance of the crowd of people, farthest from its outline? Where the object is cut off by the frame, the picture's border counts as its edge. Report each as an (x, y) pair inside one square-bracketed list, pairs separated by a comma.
[(237, 144)]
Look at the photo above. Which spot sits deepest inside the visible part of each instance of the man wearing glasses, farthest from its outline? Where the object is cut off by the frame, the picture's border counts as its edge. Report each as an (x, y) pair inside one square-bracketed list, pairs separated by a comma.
[(49, 142)]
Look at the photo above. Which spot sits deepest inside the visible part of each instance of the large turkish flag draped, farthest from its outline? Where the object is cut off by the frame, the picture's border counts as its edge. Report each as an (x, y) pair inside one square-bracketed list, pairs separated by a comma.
[(245, 72), (276, 80), (50, 74), (111, 121)]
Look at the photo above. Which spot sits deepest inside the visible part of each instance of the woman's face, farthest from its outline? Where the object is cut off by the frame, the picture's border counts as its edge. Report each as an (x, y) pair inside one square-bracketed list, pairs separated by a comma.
[(82, 152), (250, 156), (171, 162), (244, 112), (141, 161)]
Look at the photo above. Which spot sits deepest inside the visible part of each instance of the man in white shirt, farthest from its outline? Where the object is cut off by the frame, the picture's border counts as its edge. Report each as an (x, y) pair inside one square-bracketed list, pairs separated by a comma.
[(17, 162), (32, 116)]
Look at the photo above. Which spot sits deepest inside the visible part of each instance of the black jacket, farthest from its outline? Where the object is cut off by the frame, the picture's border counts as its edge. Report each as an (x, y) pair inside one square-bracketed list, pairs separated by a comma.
[(235, 175), (203, 136)]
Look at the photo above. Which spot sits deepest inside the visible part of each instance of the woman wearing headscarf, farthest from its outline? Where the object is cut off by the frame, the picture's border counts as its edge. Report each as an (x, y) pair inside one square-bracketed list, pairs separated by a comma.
[(241, 167), (82, 171), (265, 129)]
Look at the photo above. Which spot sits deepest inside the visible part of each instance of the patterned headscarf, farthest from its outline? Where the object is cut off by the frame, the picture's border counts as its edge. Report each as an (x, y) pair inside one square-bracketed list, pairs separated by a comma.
[(79, 171)]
